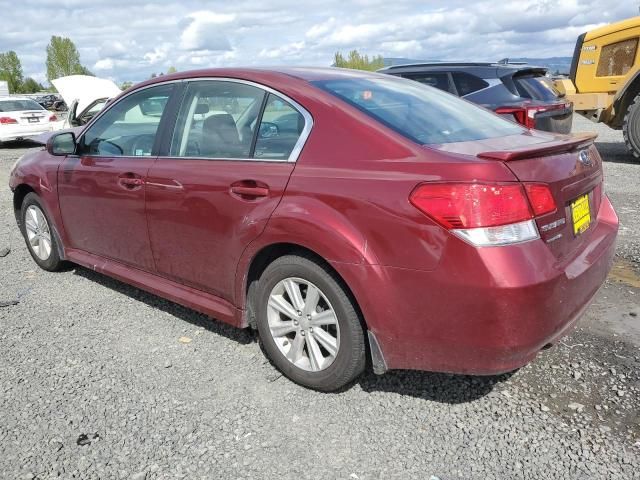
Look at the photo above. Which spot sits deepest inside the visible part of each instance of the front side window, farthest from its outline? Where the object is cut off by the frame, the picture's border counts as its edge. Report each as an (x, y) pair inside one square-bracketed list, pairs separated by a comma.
[(279, 131), (424, 115), (217, 119), (129, 127)]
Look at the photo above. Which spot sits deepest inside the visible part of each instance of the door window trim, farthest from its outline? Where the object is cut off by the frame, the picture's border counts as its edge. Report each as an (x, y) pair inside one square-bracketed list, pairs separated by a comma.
[(300, 143)]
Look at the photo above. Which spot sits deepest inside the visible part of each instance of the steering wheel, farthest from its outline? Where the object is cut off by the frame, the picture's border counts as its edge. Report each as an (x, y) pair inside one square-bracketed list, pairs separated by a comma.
[(117, 149)]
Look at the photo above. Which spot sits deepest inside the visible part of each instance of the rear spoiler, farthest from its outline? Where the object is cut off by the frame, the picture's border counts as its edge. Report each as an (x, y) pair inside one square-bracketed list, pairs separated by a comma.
[(567, 144)]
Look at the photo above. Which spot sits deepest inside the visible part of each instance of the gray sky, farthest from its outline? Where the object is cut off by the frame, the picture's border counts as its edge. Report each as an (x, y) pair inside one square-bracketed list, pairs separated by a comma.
[(130, 39)]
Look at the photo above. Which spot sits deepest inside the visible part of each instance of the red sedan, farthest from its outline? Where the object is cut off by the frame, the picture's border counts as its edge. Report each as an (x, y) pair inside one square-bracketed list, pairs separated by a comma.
[(350, 217)]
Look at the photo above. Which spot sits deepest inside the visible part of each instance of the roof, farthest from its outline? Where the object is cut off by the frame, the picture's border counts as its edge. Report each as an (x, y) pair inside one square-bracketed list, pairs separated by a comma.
[(441, 64), (259, 74), (632, 22)]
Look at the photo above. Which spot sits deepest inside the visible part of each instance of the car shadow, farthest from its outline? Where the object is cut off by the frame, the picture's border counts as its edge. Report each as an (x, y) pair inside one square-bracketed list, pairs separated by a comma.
[(242, 336), (15, 145), (438, 387), (615, 152)]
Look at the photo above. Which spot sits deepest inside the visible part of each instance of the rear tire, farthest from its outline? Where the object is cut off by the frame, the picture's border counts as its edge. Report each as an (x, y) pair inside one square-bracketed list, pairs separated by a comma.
[(308, 326), (631, 127), (39, 234)]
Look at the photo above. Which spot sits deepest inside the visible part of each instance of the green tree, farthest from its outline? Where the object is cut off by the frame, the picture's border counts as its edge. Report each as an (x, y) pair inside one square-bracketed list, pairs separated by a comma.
[(126, 85), (171, 70), (11, 71), (357, 61), (31, 86), (63, 59)]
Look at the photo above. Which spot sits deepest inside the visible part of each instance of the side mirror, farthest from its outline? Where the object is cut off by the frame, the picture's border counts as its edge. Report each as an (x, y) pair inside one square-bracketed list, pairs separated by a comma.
[(268, 130), (62, 144)]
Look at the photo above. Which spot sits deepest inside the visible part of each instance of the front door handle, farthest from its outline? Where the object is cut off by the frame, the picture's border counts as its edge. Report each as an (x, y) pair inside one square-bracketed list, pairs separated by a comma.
[(249, 189), (130, 181)]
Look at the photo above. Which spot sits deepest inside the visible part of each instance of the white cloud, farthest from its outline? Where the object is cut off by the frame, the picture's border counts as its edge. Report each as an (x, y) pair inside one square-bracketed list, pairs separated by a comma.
[(204, 31), (130, 39), (104, 64)]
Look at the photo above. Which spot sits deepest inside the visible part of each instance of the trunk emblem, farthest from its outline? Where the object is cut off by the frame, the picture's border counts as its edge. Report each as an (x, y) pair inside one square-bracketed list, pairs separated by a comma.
[(585, 158)]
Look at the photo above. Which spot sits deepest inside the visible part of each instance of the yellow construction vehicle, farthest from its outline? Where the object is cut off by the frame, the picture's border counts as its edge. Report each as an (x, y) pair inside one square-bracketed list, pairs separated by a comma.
[(604, 81)]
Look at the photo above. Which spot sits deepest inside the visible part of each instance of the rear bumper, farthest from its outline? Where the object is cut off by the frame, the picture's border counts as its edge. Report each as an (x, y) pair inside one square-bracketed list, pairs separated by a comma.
[(482, 311), (17, 132)]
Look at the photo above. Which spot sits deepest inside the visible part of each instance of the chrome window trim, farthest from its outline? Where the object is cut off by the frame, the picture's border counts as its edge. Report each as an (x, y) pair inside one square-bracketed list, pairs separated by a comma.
[(293, 156), (300, 143)]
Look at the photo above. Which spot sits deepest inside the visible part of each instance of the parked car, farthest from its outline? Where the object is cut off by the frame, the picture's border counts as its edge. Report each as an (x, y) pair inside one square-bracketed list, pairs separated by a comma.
[(84, 96), (518, 91), (22, 118), (47, 101), (345, 215)]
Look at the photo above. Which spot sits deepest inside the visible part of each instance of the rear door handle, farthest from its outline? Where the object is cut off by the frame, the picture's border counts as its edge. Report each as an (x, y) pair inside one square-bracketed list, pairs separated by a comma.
[(249, 189)]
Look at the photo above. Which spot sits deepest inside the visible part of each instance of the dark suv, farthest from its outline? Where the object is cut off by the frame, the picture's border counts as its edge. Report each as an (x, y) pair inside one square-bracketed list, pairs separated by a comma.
[(520, 92)]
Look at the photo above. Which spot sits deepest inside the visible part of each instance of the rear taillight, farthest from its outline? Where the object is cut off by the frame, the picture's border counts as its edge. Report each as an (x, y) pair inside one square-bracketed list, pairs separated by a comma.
[(485, 214), (53, 118), (7, 120), (526, 114), (540, 198)]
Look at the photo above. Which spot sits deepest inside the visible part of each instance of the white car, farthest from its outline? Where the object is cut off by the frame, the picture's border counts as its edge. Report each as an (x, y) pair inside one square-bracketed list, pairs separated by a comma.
[(85, 96), (22, 118)]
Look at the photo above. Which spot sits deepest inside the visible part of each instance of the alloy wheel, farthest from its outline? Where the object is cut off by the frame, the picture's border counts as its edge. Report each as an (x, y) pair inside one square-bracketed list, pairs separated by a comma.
[(38, 232), (303, 324)]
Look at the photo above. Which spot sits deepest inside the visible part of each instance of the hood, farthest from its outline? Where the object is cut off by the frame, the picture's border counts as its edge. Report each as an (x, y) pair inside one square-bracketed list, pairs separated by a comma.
[(84, 89)]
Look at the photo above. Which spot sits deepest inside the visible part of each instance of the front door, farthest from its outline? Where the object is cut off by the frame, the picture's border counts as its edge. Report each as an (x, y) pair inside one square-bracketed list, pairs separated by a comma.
[(102, 188), (227, 167)]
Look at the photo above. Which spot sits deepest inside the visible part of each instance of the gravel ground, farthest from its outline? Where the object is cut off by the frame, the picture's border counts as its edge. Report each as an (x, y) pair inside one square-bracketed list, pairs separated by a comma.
[(101, 380)]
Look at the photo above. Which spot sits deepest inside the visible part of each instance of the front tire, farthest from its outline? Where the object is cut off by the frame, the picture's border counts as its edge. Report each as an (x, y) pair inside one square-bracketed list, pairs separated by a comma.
[(308, 325), (39, 235), (631, 128)]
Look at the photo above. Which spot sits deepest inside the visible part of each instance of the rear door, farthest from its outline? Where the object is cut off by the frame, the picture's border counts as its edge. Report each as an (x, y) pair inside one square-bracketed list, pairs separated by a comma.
[(102, 189), (222, 174)]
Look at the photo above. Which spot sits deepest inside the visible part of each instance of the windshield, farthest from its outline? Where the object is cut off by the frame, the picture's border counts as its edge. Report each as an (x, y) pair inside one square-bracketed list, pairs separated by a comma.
[(19, 105), (421, 113)]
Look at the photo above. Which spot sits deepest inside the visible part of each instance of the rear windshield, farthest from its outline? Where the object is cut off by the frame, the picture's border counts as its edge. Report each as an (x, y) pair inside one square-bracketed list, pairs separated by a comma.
[(536, 87), (423, 114), (19, 105)]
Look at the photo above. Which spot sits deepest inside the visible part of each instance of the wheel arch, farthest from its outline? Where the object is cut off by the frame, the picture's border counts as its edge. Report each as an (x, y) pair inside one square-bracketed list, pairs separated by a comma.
[(19, 193), (263, 257), (624, 98)]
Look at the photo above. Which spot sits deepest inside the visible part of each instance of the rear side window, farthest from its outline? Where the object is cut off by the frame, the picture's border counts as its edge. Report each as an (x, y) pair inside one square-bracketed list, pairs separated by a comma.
[(617, 58), (436, 80), (424, 115), (19, 105), (217, 120), (279, 130), (535, 87), (466, 83)]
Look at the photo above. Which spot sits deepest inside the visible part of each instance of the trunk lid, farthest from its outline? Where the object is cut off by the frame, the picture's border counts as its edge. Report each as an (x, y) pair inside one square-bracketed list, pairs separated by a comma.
[(569, 165), (30, 117)]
